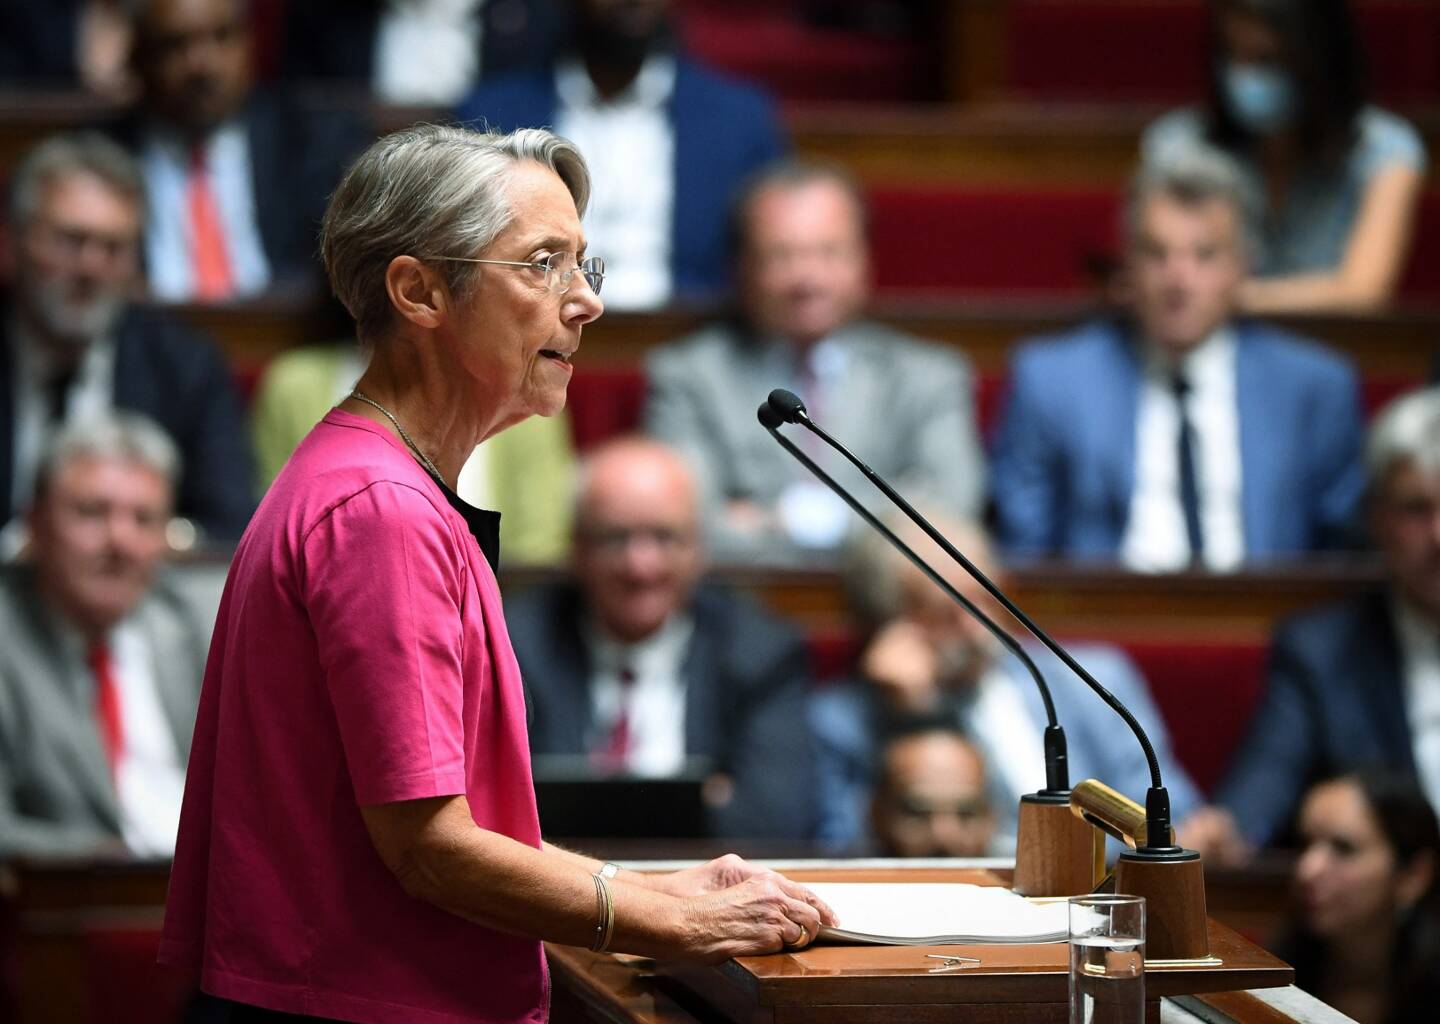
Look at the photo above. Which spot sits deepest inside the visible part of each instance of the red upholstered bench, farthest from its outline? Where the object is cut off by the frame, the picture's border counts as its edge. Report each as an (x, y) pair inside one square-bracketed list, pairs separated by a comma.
[(124, 984), (605, 402), (938, 240), (1155, 50)]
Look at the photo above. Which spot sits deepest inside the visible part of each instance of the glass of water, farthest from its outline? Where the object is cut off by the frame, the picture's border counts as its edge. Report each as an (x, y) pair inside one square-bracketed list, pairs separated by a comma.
[(1107, 959)]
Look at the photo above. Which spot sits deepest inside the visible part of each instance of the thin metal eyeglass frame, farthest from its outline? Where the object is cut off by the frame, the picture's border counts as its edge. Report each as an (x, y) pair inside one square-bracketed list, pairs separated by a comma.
[(544, 265)]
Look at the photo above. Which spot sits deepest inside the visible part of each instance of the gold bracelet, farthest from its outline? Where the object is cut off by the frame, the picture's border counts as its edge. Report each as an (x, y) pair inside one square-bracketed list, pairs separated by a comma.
[(609, 915), (599, 914), (605, 927)]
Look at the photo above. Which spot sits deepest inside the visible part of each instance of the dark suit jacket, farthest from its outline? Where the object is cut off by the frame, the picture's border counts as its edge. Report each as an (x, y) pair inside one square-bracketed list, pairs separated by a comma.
[(746, 681), (38, 42), (1334, 701), (178, 378), (724, 132), (1064, 465), (297, 154), (335, 39)]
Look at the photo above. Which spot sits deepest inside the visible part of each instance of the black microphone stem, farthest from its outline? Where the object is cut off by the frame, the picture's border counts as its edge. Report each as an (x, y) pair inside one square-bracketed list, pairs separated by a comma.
[(802, 417), (1056, 770)]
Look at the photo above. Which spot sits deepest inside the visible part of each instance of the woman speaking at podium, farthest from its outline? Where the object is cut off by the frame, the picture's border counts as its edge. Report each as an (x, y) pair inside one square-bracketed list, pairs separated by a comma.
[(359, 839)]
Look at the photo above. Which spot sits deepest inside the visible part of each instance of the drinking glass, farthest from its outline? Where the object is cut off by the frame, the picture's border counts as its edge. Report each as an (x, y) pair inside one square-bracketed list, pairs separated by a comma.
[(1107, 959)]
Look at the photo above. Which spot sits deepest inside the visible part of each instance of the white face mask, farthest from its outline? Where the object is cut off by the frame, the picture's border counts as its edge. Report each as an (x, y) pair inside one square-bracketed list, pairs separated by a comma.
[(1262, 98)]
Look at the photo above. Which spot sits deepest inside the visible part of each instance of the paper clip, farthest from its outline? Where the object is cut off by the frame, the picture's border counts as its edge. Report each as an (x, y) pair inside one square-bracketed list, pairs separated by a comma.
[(950, 963)]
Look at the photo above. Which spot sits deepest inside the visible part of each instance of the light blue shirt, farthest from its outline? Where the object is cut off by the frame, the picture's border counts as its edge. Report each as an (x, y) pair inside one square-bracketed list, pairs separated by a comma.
[(165, 161), (1310, 234)]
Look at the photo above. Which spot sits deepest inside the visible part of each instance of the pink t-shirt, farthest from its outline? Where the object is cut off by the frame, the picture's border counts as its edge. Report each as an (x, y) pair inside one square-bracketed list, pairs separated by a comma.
[(360, 657)]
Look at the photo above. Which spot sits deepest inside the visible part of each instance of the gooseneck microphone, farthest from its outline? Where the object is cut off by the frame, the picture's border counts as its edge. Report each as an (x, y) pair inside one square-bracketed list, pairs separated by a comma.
[(1057, 772), (785, 407)]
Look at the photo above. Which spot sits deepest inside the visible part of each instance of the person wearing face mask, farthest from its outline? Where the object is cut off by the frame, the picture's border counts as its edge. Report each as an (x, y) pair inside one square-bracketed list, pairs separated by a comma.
[(928, 660), (1336, 180), (1365, 937)]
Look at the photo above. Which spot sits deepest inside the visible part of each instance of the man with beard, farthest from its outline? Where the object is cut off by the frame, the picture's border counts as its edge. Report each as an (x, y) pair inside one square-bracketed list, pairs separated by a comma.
[(237, 179), (75, 344), (1354, 684), (931, 798), (637, 665), (101, 665), (928, 660), (669, 143)]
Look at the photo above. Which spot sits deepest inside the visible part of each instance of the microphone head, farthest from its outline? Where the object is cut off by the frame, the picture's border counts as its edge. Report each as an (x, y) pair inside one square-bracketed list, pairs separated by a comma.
[(768, 417), (787, 405)]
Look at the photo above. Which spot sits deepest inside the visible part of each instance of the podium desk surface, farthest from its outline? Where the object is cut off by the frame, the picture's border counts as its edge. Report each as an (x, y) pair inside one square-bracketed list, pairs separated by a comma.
[(880, 984)]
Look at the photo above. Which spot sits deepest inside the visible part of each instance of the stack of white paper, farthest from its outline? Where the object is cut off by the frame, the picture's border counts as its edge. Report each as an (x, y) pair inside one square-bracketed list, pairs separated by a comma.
[(929, 914)]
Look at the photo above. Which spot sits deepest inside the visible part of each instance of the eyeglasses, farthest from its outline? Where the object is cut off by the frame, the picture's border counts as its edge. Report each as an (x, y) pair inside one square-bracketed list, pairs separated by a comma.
[(559, 268), (612, 541)]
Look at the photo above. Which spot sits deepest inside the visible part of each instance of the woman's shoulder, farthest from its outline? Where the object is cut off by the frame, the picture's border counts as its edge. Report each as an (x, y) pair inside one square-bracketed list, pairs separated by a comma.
[(1385, 139)]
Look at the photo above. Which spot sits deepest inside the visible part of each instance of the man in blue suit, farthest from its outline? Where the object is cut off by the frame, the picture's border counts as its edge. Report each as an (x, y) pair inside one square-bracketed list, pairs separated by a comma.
[(668, 141), (1185, 436), (1355, 684)]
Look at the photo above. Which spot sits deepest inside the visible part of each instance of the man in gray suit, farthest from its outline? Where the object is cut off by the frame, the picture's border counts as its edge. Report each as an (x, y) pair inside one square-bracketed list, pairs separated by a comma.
[(101, 663), (905, 406)]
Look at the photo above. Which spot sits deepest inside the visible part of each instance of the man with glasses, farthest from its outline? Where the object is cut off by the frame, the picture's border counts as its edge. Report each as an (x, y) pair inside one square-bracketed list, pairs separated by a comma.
[(75, 343), (635, 665)]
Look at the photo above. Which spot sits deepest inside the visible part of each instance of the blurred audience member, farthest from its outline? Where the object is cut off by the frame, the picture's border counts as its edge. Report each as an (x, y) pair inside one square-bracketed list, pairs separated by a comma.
[(1366, 939), (928, 657), (526, 473), (1335, 181), (669, 143), (62, 44), (635, 664), (417, 51), (906, 406), (1357, 682), (75, 344), (101, 665), (237, 180), (931, 799), (1184, 437)]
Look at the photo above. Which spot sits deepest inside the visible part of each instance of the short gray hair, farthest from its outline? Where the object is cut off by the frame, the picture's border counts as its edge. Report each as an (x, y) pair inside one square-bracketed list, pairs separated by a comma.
[(1193, 175), (119, 435), (429, 190), (1406, 431), (79, 153)]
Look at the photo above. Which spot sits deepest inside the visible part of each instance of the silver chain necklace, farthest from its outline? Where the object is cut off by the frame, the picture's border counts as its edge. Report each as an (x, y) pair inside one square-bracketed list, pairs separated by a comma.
[(424, 459)]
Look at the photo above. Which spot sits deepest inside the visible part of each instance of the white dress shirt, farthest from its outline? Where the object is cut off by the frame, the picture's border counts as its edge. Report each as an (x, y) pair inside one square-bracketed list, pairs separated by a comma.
[(1155, 539), (165, 161), (92, 392), (1420, 661), (1002, 728), (629, 144), (654, 699), (427, 51)]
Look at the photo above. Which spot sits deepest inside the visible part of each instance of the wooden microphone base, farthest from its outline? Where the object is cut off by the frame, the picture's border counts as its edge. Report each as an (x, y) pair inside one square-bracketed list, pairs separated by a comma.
[(1055, 852), (1174, 891)]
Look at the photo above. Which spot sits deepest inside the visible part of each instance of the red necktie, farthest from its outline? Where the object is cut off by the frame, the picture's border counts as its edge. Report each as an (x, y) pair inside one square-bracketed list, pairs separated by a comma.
[(617, 747), (209, 256), (107, 706)]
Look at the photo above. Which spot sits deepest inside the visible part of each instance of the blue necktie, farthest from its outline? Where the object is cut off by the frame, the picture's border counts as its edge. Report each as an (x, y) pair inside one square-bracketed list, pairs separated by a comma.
[(1189, 479)]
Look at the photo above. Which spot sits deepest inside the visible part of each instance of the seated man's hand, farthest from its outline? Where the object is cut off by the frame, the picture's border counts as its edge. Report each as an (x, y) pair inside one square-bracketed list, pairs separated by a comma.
[(903, 663), (1212, 832)]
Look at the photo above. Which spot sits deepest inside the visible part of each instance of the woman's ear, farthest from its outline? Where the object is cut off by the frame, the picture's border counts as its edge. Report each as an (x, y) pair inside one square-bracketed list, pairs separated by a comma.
[(417, 291), (1415, 879)]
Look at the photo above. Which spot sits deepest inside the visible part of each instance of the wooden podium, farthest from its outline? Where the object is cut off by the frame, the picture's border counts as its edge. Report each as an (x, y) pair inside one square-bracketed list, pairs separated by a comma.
[(884, 984)]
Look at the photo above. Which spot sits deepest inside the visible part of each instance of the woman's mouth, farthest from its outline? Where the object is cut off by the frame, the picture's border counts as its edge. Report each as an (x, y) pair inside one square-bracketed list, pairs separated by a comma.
[(557, 356)]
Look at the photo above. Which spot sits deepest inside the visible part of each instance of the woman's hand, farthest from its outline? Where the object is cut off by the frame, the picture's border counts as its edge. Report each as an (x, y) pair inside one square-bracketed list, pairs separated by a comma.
[(766, 913)]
